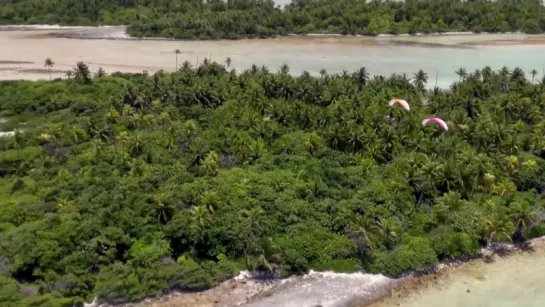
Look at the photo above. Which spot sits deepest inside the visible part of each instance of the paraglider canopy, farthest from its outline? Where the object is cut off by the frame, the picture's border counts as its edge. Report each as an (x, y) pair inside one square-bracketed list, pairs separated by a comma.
[(436, 120), (401, 102)]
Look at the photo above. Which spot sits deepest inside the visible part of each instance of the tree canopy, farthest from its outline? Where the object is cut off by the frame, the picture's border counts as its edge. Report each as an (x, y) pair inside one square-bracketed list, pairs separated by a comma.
[(233, 19), (129, 185)]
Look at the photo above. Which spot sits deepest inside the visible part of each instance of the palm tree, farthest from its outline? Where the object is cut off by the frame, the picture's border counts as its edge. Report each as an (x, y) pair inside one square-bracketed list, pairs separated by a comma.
[(228, 62), (504, 188), (361, 227), (504, 71), (268, 252), (76, 134), (361, 76), (323, 72), (186, 65), (518, 75), (522, 214), (200, 215), (420, 80), (389, 228), (462, 73), (100, 73), (253, 219), (112, 116), (498, 227), (82, 73), (448, 205), (176, 52), (124, 139), (210, 163), (534, 74), (284, 69), (210, 201), (49, 64), (163, 208), (69, 74)]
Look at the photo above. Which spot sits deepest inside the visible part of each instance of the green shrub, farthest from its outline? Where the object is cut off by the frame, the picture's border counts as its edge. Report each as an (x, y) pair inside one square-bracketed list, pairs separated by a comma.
[(10, 290), (450, 244), (414, 253)]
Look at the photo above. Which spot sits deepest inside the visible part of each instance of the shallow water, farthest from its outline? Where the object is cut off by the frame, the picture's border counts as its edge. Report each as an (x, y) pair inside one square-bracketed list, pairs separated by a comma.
[(515, 281), (440, 55)]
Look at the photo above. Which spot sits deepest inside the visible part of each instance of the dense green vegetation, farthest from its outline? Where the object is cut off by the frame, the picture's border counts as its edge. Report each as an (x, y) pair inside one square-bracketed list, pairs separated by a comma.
[(232, 19), (126, 186)]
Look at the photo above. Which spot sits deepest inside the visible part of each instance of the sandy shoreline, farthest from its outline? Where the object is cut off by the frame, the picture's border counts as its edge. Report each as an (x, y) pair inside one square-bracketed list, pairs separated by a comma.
[(444, 276)]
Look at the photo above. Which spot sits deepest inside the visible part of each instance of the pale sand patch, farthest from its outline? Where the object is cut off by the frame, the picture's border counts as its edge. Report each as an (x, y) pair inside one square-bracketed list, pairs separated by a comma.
[(514, 280)]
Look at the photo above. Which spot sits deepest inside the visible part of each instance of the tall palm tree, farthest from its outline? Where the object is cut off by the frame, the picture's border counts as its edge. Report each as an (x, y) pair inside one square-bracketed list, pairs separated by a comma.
[(361, 76), (504, 71), (82, 72), (176, 52), (268, 252), (533, 73), (100, 73), (323, 72), (69, 74), (228, 62), (49, 64), (284, 69), (420, 80), (518, 75), (462, 73)]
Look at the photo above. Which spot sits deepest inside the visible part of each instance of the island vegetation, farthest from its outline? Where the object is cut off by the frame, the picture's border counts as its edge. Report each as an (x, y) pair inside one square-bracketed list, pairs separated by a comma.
[(234, 19), (125, 186)]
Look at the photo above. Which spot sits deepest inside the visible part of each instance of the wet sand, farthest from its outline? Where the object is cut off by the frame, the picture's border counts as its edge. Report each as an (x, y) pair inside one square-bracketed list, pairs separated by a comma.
[(515, 280), (24, 51)]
